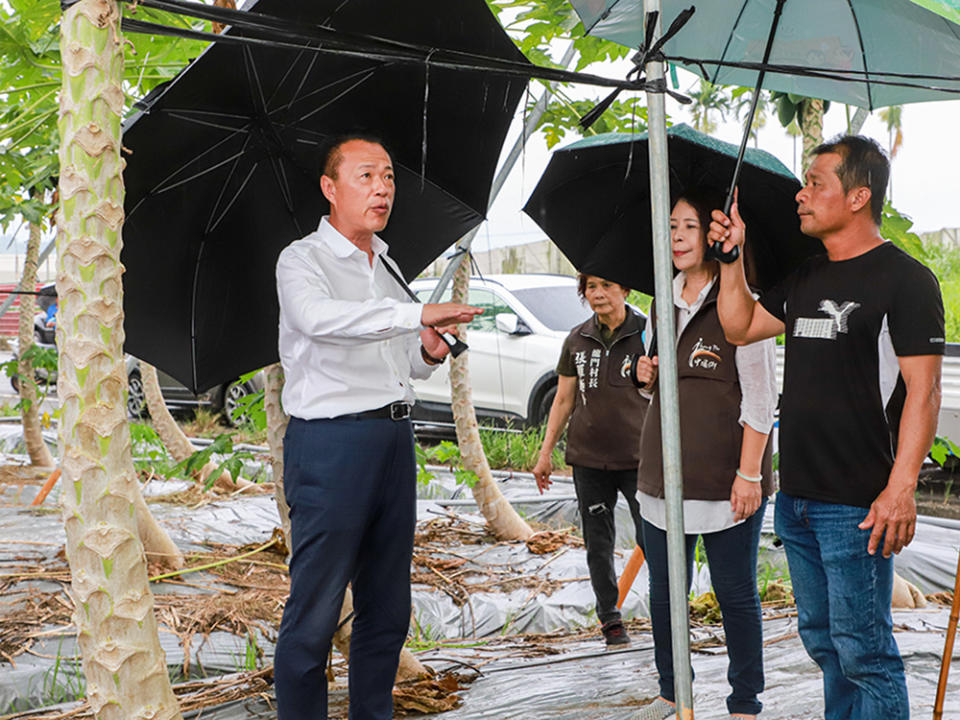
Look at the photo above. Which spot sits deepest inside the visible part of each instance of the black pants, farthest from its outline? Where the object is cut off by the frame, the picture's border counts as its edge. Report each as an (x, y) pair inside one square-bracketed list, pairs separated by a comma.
[(597, 497), (351, 489)]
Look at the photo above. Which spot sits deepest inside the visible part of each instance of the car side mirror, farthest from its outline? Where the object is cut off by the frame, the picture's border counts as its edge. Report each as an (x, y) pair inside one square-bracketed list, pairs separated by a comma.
[(511, 325)]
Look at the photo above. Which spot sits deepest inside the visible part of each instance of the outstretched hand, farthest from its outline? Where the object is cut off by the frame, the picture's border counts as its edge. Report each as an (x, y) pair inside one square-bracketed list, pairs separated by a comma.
[(434, 314)]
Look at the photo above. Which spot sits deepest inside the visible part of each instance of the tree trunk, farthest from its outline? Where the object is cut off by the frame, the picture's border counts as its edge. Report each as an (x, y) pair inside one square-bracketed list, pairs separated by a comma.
[(174, 439), (811, 124), (503, 520), (277, 420), (123, 662), (30, 409)]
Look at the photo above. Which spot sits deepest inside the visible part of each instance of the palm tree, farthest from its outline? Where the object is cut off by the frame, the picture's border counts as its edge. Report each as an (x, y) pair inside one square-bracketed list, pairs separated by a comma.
[(116, 626), (708, 100), (893, 118)]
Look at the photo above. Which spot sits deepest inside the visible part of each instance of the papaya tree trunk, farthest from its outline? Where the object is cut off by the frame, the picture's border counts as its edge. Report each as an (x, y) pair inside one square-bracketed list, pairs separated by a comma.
[(811, 124), (502, 519), (123, 662), (172, 436), (29, 407), (277, 420)]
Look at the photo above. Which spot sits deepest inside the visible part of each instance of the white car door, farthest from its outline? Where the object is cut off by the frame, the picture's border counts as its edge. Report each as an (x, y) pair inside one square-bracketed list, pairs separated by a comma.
[(496, 361)]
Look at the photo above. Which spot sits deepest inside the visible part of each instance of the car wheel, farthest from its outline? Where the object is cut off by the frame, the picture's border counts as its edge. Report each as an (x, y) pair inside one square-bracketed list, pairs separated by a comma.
[(15, 383), (546, 402), (232, 395), (136, 398)]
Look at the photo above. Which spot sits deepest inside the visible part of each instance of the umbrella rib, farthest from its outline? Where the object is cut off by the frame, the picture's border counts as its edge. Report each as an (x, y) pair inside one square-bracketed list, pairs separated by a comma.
[(159, 187), (233, 200), (316, 91), (256, 88), (829, 74), (863, 55), (224, 185), (211, 113), (166, 188), (207, 123), (726, 47), (280, 175), (333, 100)]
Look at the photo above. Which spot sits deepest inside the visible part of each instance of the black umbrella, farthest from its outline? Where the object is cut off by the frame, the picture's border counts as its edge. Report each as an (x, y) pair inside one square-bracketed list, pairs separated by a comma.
[(223, 172), (593, 201)]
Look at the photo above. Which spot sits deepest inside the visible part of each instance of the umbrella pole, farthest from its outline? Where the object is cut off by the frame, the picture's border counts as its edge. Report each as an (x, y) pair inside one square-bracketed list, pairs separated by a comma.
[(948, 648), (464, 243), (777, 12), (667, 385)]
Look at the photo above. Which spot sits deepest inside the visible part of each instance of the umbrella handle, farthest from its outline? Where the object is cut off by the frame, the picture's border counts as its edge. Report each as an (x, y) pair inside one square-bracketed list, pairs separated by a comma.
[(456, 345), (715, 252)]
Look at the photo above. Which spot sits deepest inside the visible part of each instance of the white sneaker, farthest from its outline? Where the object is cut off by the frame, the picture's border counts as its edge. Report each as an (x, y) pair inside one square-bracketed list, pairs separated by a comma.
[(659, 709)]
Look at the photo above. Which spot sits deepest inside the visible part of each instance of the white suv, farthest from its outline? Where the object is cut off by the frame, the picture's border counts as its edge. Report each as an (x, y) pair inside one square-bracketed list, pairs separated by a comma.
[(514, 346)]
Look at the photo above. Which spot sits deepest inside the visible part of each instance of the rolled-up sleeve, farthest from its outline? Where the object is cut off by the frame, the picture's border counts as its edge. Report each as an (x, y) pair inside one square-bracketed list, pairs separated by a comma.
[(757, 371), (307, 304)]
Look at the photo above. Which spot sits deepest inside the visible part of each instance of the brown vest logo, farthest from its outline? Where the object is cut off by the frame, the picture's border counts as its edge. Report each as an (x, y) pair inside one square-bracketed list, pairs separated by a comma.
[(705, 356)]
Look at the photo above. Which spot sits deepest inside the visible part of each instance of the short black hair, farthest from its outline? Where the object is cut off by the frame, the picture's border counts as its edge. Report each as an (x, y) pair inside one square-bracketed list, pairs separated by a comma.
[(863, 163), (582, 284), (332, 156)]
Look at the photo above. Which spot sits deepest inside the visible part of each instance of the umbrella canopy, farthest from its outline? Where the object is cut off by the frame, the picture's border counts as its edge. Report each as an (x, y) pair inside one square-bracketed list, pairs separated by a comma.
[(224, 171), (593, 200), (870, 53)]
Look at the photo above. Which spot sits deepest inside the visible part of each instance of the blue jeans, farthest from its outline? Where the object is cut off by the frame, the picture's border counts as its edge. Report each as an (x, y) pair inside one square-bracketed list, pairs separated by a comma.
[(351, 487), (843, 605), (732, 554)]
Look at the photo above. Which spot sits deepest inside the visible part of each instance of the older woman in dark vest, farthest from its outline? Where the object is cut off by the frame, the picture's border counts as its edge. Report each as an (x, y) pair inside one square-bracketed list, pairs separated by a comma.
[(727, 403), (595, 388)]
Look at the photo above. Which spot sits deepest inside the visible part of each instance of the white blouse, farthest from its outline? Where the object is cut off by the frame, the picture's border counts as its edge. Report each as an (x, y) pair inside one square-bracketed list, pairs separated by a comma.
[(756, 368)]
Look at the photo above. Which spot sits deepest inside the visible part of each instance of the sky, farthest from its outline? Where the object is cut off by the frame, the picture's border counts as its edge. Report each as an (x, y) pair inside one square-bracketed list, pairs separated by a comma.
[(925, 171)]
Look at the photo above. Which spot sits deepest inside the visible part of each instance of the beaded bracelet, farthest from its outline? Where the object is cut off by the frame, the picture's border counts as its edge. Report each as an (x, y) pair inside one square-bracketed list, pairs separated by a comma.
[(757, 479)]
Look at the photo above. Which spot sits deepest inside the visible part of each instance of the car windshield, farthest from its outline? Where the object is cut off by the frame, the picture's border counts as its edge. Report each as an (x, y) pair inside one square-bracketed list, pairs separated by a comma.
[(558, 307)]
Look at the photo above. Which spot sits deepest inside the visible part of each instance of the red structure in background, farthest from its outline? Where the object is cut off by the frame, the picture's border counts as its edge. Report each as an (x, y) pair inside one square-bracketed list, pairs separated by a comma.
[(10, 320)]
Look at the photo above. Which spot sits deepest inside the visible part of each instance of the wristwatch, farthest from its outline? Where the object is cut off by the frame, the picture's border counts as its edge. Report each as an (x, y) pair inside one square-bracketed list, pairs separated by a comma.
[(430, 359)]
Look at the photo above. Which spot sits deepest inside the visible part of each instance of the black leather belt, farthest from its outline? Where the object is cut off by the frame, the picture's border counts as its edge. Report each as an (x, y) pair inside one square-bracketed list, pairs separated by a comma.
[(393, 411)]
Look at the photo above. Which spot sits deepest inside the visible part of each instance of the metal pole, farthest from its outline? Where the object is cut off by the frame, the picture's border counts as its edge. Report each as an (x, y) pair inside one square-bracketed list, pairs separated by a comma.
[(464, 243), (667, 385)]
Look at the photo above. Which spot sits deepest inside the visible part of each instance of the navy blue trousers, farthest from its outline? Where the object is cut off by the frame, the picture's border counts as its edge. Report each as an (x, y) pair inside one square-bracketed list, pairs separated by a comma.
[(732, 555), (351, 489)]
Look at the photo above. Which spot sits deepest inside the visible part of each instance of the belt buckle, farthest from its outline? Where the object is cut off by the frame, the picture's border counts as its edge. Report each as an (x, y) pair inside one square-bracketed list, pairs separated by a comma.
[(399, 411)]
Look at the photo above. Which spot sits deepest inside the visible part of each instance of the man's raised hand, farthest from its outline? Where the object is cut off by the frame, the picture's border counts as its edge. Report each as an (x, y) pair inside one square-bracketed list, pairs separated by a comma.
[(440, 314)]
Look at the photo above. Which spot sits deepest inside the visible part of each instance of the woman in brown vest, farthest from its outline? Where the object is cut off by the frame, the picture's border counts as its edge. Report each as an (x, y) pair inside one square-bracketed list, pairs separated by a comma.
[(727, 402), (594, 387)]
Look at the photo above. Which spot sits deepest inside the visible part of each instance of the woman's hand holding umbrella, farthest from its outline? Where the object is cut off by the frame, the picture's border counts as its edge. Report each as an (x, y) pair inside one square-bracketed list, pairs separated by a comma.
[(646, 370)]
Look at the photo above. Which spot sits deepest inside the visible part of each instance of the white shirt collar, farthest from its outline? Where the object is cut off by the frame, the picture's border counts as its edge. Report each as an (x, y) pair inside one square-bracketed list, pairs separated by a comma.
[(340, 246), (678, 281)]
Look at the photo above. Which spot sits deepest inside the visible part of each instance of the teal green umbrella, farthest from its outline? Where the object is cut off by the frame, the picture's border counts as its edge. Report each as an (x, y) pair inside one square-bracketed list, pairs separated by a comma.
[(869, 53)]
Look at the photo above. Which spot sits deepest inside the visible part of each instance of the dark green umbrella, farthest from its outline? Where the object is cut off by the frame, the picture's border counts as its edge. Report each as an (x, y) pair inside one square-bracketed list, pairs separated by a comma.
[(593, 201)]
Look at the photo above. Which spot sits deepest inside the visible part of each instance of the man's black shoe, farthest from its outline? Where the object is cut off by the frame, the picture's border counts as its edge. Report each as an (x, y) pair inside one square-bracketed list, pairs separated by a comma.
[(615, 633)]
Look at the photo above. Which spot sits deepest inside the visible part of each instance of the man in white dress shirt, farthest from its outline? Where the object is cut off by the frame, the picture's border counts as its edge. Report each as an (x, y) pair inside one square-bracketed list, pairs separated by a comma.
[(350, 341)]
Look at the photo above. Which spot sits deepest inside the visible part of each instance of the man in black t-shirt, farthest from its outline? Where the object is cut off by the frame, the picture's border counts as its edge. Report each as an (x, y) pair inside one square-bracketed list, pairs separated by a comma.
[(861, 393)]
